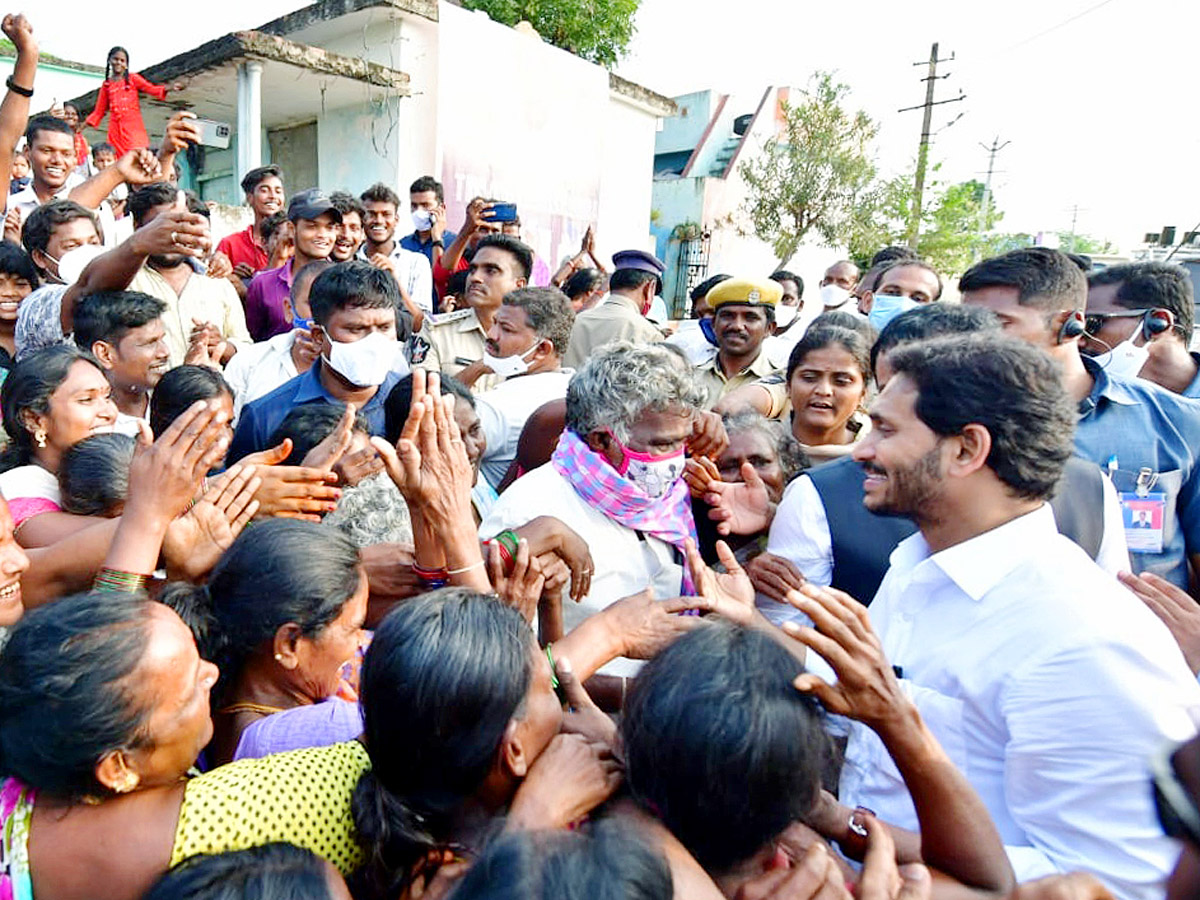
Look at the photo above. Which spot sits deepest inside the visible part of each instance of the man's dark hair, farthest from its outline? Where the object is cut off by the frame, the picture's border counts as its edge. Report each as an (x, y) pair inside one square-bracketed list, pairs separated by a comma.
[(720, 745), (631, 280), (359, 285), (1044, 279), (932, 320), (345, 202), (548, 311), (267, 871), (308, 272), (910, 264), (45, 123), (380, 193), (582, 281), (309, 424), (160, 193), (179, 388), (516, 248), (427, 183), (781, 275), (456, 285), (1011, 388), (93, 475), (252, 179), (270, 224), (109, 315), (700, 291), (40, 225), (103, 147), (1153, 285), (892, 254)]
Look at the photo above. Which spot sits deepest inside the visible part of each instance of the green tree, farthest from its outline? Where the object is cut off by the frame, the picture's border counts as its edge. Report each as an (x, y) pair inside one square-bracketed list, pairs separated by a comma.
[(1084, 243), (817, 176), (597, 30)]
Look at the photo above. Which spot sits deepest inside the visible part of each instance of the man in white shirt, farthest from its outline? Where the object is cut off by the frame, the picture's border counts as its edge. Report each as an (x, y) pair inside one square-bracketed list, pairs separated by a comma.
[(257, 370), (525, 345), (381, 249), (1045, 681)]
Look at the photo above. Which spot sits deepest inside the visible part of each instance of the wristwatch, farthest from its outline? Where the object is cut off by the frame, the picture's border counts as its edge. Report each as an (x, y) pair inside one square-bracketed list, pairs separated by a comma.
[(439, 243)]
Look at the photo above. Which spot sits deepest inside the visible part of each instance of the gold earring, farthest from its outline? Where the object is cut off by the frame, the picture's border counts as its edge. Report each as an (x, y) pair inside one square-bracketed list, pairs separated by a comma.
[(128, 783), (39, 438), (279, 657)]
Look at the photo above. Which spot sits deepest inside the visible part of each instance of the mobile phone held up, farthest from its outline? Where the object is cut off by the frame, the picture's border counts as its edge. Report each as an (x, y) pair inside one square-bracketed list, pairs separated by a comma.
[(212, 133), (502, 212)]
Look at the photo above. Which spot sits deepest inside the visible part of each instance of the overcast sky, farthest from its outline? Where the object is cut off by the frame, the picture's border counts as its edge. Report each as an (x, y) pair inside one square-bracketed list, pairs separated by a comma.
[(1094, 95)]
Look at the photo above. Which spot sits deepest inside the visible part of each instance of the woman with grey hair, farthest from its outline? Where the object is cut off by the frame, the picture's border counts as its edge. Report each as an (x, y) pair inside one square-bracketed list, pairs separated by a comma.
[(615, 477)]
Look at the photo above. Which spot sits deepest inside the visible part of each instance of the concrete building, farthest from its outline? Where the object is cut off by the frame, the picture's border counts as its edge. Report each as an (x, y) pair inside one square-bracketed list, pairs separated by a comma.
[(696, 220), (345, 93)]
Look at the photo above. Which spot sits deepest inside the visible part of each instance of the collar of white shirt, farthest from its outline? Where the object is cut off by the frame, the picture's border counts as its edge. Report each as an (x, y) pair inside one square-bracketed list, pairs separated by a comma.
[(979, 564)]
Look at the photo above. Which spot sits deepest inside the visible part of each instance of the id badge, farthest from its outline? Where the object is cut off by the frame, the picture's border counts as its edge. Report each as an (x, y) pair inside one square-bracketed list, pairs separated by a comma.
[(1143, 515)]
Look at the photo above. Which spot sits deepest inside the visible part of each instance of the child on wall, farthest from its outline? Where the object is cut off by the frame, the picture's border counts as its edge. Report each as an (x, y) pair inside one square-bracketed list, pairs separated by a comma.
[(119, 98)]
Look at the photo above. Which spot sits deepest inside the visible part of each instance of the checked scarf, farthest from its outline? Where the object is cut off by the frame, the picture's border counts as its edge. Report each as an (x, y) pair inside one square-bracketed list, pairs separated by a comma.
[(669, 518)]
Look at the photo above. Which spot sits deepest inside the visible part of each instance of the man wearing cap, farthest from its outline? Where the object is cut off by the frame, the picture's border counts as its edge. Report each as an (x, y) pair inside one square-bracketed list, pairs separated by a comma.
[(315, 220), (632, 287), (743, 317)]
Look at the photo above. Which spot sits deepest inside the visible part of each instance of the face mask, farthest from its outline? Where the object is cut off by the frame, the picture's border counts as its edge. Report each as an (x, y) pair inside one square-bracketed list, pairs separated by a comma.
[(654, 475), (422, 219), (364, 363), (886, 307), (785, 315), (1124, 360), (706, 328), (508, 366), (75, 260), (833, 296)]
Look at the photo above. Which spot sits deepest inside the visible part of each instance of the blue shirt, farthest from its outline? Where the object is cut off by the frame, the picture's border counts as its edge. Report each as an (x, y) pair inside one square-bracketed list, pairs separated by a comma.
[(1193, 389), (1144, 426), (415, 244), (261, 417)]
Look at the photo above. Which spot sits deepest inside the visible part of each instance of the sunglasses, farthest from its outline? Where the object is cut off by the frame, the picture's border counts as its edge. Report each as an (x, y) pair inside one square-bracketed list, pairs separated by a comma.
[(1093, 322), (1177, 812)]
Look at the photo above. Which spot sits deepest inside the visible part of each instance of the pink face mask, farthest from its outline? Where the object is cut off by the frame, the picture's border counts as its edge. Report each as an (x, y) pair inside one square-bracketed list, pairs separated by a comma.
[(654, 475)]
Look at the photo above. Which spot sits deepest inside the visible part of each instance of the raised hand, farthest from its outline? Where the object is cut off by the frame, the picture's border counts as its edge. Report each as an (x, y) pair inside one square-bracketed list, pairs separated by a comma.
[(195, 541), (181, 130), (773, 576), (166, 475), (18, 30), (867, 688), (547, 534), (327, 453), (730, 594), (522, 587), (1178, 611), (737, 507), (173, 231), (708, 435), (219, 266), (582, 716)]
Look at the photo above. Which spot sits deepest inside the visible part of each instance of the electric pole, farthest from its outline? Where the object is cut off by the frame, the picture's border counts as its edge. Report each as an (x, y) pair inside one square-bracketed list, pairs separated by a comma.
[(985, 207), (914, 225)]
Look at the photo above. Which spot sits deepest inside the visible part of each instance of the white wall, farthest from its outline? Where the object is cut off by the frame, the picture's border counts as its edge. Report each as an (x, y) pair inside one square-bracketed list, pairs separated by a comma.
[(627, 184), (53, 84)]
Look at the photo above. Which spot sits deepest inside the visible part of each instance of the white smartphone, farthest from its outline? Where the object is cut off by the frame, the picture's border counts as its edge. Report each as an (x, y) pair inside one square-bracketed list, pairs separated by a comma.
[(213, 133)]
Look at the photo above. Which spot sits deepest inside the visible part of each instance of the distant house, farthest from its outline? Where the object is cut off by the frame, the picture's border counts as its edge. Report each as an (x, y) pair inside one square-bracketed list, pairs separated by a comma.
[(345, 93), (698, 191)]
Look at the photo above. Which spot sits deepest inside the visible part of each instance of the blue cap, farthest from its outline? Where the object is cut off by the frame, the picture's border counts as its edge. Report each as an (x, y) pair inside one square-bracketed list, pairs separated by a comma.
[(638, 259)]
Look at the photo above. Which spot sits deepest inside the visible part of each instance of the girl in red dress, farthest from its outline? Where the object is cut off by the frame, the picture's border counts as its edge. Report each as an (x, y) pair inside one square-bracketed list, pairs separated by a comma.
[(119, 97)]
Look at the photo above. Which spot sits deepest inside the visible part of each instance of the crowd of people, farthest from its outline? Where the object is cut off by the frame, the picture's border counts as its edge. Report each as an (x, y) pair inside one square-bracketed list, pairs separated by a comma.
[(339, 561)]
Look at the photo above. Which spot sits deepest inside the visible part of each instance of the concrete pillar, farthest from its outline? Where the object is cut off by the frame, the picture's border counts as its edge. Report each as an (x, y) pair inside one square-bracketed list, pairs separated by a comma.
[(249, 117)]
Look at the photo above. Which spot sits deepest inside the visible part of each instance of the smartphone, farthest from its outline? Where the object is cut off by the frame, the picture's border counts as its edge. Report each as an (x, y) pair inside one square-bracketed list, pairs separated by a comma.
[(212, 133), (503, 212)]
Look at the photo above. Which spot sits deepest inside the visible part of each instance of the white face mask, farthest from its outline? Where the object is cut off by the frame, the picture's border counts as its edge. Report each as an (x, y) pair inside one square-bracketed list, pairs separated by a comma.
[(1124, 360), (508, 366), (833, 296), (75, 260), (785, 315), (422, 219), (364, 363)]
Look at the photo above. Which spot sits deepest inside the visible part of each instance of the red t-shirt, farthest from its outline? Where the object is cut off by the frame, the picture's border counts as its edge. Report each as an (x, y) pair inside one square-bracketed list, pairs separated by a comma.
[(243, 247)]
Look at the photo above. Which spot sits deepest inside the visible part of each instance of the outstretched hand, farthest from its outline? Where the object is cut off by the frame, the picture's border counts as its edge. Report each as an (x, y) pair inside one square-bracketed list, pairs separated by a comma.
[(738, 507), (1175, 606), (730, 594), (165, 475)]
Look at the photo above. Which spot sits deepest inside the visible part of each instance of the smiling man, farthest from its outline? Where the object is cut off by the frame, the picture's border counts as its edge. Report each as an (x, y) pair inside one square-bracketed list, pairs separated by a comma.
[(124, 331), (358, 325), (525, 344), (315, 220), (1023, 656), (381, 249), (246, 250), (456, 343), (743, 317), (50, 149)]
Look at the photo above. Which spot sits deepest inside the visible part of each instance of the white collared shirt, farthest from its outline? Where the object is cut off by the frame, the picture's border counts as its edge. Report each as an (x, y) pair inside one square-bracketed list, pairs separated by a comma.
[(1048, 684), (258, 369), (504, 410), (413, 271)]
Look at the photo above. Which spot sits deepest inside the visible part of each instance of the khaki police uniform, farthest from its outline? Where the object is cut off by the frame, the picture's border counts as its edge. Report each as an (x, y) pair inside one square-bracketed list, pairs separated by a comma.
[(616, 319), (448, 342)]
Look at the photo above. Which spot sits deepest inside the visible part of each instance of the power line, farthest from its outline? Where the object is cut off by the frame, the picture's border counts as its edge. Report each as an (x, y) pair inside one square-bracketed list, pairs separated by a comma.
[(1063, 23)]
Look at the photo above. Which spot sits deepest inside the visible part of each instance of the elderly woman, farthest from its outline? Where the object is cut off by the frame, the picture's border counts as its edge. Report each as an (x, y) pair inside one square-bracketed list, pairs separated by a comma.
[(616, 475), (280, 614)]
